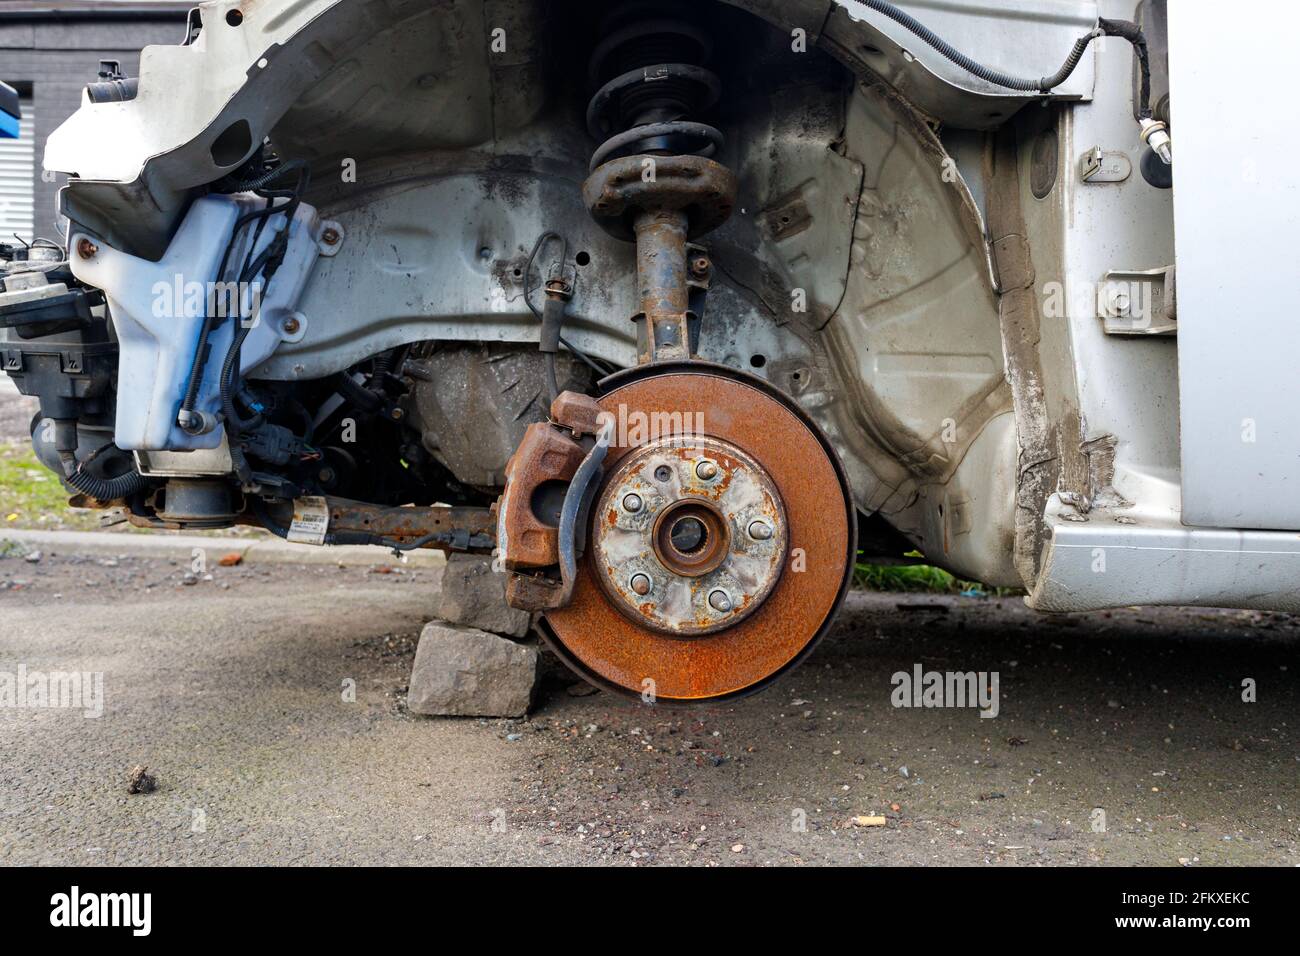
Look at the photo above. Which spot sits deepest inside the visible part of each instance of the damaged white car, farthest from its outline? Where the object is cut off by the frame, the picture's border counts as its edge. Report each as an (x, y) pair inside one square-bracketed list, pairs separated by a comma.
[(680, 309)]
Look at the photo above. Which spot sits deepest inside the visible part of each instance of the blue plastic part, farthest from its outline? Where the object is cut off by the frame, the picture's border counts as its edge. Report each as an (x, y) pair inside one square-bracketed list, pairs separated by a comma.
[(8, 126)]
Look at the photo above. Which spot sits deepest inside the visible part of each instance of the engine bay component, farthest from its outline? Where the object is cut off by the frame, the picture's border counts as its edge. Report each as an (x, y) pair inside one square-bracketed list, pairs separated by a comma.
[(162, 311), (473, 402), (716, 555)]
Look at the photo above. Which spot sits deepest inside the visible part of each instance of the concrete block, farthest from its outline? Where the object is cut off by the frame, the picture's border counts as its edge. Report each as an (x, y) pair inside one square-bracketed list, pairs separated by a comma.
[(465, 672), (475, 595)]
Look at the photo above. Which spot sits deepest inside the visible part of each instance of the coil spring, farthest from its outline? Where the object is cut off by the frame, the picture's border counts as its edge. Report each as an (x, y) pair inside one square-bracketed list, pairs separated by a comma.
[(649, 66)]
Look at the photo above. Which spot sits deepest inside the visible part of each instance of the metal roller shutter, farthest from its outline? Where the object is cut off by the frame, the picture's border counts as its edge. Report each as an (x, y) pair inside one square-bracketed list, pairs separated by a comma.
[(18, 180)]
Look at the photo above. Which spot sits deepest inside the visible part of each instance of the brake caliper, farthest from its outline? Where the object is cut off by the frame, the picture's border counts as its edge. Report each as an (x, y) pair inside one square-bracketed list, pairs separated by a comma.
[(549, 480)]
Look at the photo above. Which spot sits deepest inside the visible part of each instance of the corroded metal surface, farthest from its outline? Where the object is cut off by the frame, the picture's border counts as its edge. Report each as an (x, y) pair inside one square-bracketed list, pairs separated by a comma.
[(688, 536), (622, 188), (661, 284), (608, 646), (545, 457), (534, 510), (407, 524)]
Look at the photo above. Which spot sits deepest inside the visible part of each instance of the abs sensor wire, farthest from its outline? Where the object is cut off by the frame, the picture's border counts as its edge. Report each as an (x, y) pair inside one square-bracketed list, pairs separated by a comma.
[(1123, 29), (547, 332)]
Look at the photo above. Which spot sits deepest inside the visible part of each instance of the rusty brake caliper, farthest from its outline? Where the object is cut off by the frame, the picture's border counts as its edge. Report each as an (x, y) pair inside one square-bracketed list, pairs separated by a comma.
[(549, 480)]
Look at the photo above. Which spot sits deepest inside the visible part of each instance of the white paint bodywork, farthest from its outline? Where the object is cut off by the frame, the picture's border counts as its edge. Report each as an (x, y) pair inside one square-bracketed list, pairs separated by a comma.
[(1237, 216)]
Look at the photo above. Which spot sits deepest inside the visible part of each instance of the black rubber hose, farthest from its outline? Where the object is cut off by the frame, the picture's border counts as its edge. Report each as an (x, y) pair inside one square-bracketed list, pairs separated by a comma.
[(1127, 30), (104, 489), (1119, 28)]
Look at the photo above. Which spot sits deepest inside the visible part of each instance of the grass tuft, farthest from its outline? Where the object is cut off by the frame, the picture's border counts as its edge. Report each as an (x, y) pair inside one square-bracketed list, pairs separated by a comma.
[(32, 497)]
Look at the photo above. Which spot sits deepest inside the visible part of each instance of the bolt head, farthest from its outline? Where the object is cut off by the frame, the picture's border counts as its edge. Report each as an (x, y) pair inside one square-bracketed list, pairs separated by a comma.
[(86, 249), (760, 530), (640, 583), (706, 470), (330, 236), (719, 601), (632, 503)]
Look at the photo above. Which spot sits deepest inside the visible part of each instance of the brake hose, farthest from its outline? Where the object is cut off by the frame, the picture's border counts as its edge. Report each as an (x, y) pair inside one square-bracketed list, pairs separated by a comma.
[(1116, 28)]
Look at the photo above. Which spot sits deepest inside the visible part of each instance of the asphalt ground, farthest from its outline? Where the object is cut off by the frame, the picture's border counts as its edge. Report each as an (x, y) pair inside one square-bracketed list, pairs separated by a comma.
[(1120, 738)]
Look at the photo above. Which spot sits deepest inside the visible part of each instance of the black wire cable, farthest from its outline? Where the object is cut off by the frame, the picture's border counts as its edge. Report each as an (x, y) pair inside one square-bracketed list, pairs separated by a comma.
[(104, 489), (258, 182), (1117, 28), (266, 262), (200, 359)]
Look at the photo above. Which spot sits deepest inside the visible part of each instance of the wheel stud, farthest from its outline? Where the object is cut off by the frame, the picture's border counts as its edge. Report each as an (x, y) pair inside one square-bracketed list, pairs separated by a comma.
[(719, 601)]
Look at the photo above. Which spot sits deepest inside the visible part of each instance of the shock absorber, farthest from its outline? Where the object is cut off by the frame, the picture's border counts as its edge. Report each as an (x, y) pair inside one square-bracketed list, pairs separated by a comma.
[(652, 177)]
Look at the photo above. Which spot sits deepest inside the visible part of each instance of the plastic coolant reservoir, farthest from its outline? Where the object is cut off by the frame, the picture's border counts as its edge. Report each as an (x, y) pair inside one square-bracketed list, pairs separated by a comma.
[(157, 310)]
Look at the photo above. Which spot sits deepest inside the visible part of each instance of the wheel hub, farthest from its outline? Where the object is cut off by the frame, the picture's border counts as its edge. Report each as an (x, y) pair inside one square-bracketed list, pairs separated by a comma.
[(689, 536)]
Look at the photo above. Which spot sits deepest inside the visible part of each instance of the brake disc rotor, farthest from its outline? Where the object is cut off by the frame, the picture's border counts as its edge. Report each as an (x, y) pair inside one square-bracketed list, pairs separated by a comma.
[(720, 541)]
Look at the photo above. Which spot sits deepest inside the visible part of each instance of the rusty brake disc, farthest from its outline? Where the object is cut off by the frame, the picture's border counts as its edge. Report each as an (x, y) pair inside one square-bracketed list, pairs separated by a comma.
[(720, 543)]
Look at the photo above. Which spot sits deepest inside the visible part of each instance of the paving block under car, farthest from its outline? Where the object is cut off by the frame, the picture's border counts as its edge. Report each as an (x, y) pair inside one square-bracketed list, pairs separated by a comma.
[(475, 595), (465, 672)]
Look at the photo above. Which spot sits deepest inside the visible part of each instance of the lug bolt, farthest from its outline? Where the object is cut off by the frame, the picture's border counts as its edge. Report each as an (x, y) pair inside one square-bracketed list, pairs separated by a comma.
[(706, 470), (641, 584), (760, 530), (719, 601), (632, 503)]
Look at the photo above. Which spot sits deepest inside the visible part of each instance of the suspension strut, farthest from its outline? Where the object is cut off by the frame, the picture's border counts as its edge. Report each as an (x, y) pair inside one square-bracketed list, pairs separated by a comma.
[(653, 182), (652, 179)]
